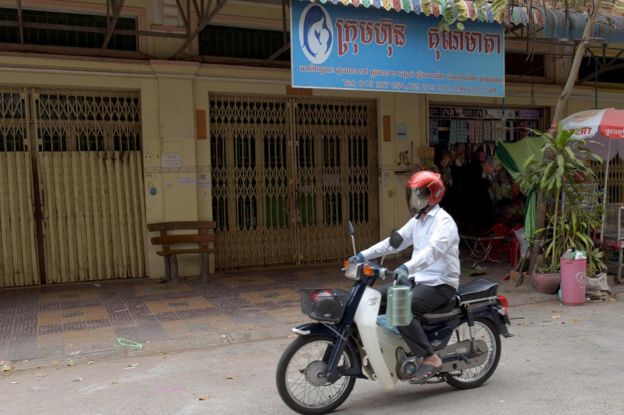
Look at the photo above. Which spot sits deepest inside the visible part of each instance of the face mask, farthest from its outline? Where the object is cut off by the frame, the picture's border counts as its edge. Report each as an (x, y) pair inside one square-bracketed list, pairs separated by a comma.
[(417, 200)]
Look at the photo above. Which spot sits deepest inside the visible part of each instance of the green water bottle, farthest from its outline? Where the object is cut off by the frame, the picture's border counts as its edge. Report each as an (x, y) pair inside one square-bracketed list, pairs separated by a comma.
[(399, 305)]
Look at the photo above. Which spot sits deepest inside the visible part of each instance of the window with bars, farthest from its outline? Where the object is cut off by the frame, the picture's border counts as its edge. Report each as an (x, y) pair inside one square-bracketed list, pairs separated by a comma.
[(52, 141), (65, 29), (89, 107), (127, 141), (11, 141), (332, 206), (220, 213), (306, 179), (358, 207), (305, 150), (325, 114), (275, 180), (331, 151), (307, 209), (245, 151), (332, 209), (358, 197), (247, 213), (12, 122), (245, 162), (85, 122), (219, 181), (358, 151), (274, 151), (217, 151)]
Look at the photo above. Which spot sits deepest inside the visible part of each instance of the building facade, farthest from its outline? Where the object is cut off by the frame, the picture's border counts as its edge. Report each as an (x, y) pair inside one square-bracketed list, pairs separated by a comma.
[(185, 111)]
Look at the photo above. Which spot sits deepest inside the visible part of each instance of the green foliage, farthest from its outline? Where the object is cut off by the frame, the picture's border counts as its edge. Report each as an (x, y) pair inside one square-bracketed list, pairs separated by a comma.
[(596, 262), (579, 218), (560, 171)]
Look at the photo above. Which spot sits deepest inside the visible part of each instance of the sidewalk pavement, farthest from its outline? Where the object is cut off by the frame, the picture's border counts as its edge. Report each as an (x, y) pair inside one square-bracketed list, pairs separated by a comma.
[(66, 324)]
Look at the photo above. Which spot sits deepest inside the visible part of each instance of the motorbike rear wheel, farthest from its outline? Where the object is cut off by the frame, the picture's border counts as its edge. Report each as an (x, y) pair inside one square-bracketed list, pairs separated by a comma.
[(300, 376), (486, 331)]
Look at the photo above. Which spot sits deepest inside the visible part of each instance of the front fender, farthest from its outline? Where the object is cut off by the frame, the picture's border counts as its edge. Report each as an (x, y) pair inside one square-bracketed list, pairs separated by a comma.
[(318, 329)]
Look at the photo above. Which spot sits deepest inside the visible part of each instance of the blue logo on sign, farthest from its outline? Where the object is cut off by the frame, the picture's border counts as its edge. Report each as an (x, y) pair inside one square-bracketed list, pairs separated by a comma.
[(316, 33)]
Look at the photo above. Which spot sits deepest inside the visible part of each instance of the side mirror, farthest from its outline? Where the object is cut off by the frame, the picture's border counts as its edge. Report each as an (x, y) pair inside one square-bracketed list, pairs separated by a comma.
[(351, 229), (395, 239), (395, 242)]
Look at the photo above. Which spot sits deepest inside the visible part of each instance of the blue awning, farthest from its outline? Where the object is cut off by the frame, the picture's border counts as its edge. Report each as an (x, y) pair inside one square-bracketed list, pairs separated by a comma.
[(556, 24)]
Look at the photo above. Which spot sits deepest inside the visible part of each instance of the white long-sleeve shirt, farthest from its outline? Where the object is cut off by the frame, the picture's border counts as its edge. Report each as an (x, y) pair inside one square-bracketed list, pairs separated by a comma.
[(435, 259)]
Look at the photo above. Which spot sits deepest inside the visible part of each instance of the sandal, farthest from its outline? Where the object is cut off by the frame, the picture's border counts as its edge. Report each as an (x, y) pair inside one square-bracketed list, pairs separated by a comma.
[(423, 373)]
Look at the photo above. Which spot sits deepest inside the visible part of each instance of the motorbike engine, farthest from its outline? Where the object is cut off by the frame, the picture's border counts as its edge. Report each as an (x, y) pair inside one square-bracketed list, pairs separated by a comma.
[(406, 365)]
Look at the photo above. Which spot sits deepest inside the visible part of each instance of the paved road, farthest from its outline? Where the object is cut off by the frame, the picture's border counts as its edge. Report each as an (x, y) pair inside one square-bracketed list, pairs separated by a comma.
[(562, 360)]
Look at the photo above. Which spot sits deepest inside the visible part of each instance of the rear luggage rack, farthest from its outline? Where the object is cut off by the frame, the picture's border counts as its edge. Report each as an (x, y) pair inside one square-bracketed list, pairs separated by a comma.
[(489, 300)]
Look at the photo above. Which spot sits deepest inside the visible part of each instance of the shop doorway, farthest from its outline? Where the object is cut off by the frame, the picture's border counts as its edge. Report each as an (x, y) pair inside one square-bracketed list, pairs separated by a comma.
[(287, 176), (71, 206), (481, 195)]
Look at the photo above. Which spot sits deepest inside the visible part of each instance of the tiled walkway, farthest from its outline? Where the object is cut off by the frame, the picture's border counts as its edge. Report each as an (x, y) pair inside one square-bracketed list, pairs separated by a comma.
[(53, 321), (81, 320)]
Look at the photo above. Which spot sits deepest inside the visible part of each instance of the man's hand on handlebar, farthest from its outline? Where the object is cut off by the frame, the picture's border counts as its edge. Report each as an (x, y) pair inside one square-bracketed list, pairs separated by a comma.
[(359, 258), (401, 276)]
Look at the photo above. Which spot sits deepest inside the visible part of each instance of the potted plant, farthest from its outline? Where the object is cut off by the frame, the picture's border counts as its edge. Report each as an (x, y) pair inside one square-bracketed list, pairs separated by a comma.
[(584, 210), (560, 171)]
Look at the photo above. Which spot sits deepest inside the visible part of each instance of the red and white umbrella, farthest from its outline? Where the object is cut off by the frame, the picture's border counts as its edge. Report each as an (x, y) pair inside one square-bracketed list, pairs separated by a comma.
[(604, 132), (600, 128)]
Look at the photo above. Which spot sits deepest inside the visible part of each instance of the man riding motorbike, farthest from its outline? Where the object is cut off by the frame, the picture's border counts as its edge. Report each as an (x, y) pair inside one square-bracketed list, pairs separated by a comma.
[(433, 270)]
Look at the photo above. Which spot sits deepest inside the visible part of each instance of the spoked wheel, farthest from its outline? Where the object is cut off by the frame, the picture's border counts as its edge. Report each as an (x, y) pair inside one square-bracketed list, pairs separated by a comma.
[(485, 331), (301, 380)]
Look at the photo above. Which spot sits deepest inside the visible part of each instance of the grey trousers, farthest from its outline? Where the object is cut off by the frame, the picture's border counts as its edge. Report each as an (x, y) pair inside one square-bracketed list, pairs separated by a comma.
[(425, 299)]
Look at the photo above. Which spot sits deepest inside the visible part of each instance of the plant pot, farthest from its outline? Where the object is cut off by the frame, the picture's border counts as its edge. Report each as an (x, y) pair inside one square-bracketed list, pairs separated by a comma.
[(545, 283)]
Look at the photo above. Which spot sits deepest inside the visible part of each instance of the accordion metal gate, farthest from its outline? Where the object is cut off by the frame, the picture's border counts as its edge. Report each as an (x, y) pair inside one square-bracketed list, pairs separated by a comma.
[(71, 206), (287, 175)]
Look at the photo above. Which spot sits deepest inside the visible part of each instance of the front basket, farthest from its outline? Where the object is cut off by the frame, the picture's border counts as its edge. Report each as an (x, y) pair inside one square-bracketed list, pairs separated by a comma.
[(324, 304)]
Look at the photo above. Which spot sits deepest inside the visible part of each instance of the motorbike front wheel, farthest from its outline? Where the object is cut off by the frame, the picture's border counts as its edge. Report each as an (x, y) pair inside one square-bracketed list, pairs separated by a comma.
[(301, 378), (473, 377)]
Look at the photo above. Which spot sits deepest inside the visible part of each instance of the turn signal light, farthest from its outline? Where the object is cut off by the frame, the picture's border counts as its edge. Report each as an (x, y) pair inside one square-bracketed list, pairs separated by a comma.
[(368, 271), (345, 264)]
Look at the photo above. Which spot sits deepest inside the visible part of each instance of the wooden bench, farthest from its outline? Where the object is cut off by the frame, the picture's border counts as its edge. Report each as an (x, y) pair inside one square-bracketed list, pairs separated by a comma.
[(203, 239)]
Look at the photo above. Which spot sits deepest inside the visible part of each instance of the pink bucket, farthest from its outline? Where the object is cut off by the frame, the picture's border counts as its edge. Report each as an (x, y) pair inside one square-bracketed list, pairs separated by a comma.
[(573, 281)]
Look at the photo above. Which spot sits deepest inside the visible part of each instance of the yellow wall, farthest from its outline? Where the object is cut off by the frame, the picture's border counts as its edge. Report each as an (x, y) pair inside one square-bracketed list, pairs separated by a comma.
[(171, 92)]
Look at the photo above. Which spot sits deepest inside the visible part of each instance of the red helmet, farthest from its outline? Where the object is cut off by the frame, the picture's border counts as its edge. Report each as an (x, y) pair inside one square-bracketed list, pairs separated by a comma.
[(424, 188)]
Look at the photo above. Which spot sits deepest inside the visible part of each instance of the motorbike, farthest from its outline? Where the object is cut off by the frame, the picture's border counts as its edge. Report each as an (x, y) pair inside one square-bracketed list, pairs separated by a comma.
[(350, 340)]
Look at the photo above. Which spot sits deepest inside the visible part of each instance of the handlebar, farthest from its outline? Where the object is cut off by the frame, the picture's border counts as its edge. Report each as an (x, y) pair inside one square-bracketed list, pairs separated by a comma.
[(386, 273), (383, 271), (353, 270)]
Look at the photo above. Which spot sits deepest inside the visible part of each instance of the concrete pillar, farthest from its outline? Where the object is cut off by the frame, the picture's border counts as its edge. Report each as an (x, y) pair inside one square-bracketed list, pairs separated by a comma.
[(170, 161)]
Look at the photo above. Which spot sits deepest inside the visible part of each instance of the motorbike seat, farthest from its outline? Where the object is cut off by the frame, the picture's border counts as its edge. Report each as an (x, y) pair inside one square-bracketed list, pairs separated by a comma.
[(477, 289), (446, 311)]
